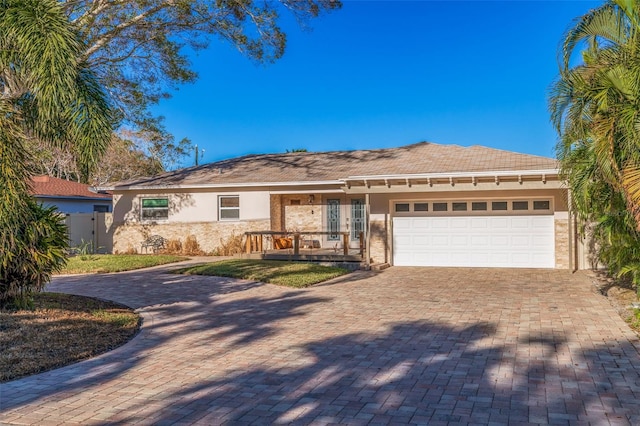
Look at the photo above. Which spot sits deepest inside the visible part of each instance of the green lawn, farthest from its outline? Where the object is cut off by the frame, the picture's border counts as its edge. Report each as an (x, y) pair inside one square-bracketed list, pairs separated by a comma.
[(290, 274), (105, 263)]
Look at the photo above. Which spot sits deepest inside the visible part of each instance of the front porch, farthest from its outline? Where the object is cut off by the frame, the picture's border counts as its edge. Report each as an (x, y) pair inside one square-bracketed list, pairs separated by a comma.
[(303, 246)]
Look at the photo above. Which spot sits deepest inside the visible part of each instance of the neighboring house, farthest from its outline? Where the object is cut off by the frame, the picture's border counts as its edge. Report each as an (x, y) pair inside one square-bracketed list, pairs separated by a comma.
[(69, 197), (423, 204), (87, 213)]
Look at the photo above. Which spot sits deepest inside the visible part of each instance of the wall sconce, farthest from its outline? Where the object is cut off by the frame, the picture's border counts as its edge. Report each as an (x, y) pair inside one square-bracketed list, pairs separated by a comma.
[(312, 198)]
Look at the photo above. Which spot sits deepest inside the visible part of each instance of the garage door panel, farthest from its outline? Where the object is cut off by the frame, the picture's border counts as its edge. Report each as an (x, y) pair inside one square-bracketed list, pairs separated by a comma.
[(479, 222), (523, 241), (497, 223), (461, 241), (439, 223), (520, 223), (540, 222), (480, 240), (503, 241), (419, 223), (542, 241), (440, 240), (498, 241), (459, 223)]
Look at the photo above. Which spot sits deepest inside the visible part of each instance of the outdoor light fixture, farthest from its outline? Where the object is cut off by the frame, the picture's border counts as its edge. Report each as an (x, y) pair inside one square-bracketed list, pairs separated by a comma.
[(311, 199)]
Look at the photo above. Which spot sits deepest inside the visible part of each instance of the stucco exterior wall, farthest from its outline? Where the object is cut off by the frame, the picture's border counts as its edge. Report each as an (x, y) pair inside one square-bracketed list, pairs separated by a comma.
[(210, 235), (191, 206), (190, 213)]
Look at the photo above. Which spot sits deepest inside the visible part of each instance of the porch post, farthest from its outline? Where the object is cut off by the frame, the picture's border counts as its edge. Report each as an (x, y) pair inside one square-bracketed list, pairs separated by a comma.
[(247, 243), (296, 244), (345, 243), (367, 243)]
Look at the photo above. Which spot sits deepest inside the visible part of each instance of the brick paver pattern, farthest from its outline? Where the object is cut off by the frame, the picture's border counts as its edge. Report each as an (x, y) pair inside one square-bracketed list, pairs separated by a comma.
[(403, 346)]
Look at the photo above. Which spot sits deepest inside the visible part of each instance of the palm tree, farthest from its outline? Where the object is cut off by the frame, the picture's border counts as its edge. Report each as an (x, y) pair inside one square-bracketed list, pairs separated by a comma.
[(45, 93), (595, 107)]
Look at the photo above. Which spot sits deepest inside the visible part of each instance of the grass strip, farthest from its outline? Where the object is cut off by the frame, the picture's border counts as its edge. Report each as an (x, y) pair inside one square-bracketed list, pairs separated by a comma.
[(290, 274), (108, 263)]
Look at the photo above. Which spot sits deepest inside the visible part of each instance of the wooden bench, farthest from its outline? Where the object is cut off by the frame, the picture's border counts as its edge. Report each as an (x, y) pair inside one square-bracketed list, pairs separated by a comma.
[(156, 242)]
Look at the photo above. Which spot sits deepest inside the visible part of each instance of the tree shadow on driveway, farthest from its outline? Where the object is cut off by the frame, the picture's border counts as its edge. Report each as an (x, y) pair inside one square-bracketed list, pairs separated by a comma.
[(224, 351), (416, 373), (198, 309)]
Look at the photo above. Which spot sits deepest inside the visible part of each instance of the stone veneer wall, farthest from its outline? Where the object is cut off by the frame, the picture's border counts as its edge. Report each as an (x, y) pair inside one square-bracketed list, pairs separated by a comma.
[(562, 243), (378, 250), (210, 235), (303, 217)]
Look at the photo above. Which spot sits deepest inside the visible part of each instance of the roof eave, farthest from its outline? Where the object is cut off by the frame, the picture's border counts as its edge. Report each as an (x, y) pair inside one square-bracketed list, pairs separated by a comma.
[(219, 185), (498, 173)]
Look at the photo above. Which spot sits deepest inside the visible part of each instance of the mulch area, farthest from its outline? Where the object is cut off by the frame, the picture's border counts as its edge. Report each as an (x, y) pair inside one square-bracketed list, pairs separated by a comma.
[(61, 330), (621, 294)]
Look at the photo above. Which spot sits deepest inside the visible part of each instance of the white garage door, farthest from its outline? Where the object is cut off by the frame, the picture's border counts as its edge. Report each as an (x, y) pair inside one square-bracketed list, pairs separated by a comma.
[(482, 241)]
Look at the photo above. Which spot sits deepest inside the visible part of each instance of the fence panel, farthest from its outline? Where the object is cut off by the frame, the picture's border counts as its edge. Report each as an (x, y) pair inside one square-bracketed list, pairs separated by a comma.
[(95, 229)]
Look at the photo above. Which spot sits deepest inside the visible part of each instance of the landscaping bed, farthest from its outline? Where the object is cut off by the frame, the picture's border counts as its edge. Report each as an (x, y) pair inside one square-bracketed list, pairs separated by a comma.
[(60, 330)]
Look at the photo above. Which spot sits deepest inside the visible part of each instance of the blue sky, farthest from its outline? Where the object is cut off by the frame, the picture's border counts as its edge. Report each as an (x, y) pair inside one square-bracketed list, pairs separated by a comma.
[(379, 74)]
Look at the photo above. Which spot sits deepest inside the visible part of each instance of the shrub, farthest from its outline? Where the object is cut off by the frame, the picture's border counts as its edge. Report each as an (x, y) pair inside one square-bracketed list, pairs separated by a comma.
[(32, 248), (131, 250), (191, 246), (232, 245), (173, 247)]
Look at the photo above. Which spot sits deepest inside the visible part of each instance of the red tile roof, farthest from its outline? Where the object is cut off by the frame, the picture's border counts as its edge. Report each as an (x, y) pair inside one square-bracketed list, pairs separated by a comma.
[(47, 186)]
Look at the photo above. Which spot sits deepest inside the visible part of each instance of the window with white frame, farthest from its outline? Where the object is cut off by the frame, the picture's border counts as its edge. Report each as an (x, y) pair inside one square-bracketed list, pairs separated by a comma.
[(229, 207), (154, 208)]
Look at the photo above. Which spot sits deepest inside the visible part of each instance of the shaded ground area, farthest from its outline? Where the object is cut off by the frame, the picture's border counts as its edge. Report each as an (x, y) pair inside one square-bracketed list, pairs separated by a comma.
[(60, 329), (408, 345)]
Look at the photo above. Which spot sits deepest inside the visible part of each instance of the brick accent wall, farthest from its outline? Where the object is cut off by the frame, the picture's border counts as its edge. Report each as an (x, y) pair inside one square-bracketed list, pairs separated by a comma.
[(210, 235), (562, 243)]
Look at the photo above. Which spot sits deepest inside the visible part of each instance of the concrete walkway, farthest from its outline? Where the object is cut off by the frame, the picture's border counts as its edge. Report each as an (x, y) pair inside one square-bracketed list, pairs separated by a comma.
[(404, 346)]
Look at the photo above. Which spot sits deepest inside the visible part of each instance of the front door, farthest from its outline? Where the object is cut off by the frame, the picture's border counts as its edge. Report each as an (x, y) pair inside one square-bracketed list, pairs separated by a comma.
[(358, 220), (345, 217), (333, 220)]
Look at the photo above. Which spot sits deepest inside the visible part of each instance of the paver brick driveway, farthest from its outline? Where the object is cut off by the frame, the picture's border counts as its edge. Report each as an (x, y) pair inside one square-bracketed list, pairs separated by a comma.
[(408, 345)]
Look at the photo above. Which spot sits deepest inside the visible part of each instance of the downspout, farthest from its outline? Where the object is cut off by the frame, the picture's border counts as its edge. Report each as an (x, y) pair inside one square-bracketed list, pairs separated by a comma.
[(367, 244)]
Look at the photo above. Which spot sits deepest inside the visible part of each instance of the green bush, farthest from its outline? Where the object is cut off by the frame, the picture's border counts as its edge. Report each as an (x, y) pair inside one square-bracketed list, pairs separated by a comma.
[(32, 248)]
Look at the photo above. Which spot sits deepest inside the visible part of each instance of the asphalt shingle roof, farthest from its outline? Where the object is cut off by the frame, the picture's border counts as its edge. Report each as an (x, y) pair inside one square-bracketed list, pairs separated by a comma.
[(47, 186), (419, 158)]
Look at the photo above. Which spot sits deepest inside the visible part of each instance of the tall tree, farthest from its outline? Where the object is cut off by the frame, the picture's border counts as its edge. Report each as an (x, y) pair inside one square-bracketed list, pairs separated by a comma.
[(595, 106), (47, 93), (138, 48)]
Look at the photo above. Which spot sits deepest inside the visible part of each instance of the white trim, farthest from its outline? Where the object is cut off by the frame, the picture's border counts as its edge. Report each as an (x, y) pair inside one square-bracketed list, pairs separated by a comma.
[(308, 191), (221, 209), (215, 185), (543, 172)]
